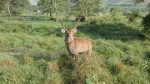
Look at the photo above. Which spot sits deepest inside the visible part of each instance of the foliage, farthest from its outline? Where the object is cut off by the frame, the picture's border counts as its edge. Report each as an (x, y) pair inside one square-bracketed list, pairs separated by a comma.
[(115, 14), (14, 7), (146, 23), (148, 5), (85, 7), (52, 6), (138, 1), (2, 4), (46, 6), (133, 16), (17, 6)]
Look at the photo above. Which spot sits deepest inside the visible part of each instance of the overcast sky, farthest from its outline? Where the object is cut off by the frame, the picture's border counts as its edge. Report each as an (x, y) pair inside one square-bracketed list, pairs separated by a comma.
[(33, 2)]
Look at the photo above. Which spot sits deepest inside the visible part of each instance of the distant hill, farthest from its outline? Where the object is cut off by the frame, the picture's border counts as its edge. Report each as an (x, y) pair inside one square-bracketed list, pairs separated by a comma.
[(123, 2), (129, 5), (118, 2)]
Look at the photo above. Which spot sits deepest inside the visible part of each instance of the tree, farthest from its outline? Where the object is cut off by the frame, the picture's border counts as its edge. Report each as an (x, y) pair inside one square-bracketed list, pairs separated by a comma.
[(2, 4), (85, 7), (138, 1), (52, 6), (148, 6), (58, 6), (146, 23), (16, 7), (115, 14), (45, 6), (146, 19), (13, 7)]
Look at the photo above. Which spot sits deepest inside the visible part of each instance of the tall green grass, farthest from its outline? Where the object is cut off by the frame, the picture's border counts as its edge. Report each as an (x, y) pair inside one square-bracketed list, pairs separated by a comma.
[(33, 52)]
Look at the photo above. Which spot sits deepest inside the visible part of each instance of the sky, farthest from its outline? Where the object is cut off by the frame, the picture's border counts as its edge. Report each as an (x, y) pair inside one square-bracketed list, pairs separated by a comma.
[(33, 2)]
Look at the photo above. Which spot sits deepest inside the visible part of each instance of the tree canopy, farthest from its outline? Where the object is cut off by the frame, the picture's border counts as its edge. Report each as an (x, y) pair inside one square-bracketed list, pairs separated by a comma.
[(13, 7), (138, 1), (52, 6), (85, 7)]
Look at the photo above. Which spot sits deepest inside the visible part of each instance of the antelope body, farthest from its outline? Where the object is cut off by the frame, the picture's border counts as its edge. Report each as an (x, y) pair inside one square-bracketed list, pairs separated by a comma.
[(74, 45)]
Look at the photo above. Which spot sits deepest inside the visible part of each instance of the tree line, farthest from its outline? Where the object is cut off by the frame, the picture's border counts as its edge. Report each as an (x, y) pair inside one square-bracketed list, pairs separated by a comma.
[(83, 8), (75, 7), (78, 8), (14, 7)]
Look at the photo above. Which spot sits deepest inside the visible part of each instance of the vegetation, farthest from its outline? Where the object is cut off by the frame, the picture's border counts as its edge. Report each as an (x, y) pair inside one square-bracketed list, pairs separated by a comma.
[(53, 6), (146, 23), (14, 7), (133, 16), (85, 8), (138, 1), (78, 8), (32, 50)]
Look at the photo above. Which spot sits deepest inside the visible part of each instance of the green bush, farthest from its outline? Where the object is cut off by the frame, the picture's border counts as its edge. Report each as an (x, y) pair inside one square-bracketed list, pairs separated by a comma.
[(146, 23), (133, 16), (115, 14)]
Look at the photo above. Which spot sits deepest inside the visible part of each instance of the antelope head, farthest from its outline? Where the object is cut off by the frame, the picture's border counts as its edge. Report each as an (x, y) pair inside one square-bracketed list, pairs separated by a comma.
[(69, 33)]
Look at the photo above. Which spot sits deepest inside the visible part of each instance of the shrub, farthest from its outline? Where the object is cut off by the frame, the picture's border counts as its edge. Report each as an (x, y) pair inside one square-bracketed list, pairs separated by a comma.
[(94, 20), (82, 18), (115, 14), (133, 16), (146, 23)]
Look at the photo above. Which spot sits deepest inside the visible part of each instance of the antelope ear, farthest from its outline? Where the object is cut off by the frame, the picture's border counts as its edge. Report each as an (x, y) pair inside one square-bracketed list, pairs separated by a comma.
[(63, 30), (74, 30)]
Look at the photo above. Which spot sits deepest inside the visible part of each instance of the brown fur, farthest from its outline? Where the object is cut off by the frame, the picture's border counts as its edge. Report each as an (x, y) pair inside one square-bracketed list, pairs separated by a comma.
[(77, 46)]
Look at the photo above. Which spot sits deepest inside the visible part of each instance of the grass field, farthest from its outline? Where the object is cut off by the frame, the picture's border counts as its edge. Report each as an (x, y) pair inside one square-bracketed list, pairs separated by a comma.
[(32, 51)]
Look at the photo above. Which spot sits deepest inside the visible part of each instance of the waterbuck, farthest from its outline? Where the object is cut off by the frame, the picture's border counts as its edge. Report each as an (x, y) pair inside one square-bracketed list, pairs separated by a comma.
[(74, 45)]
